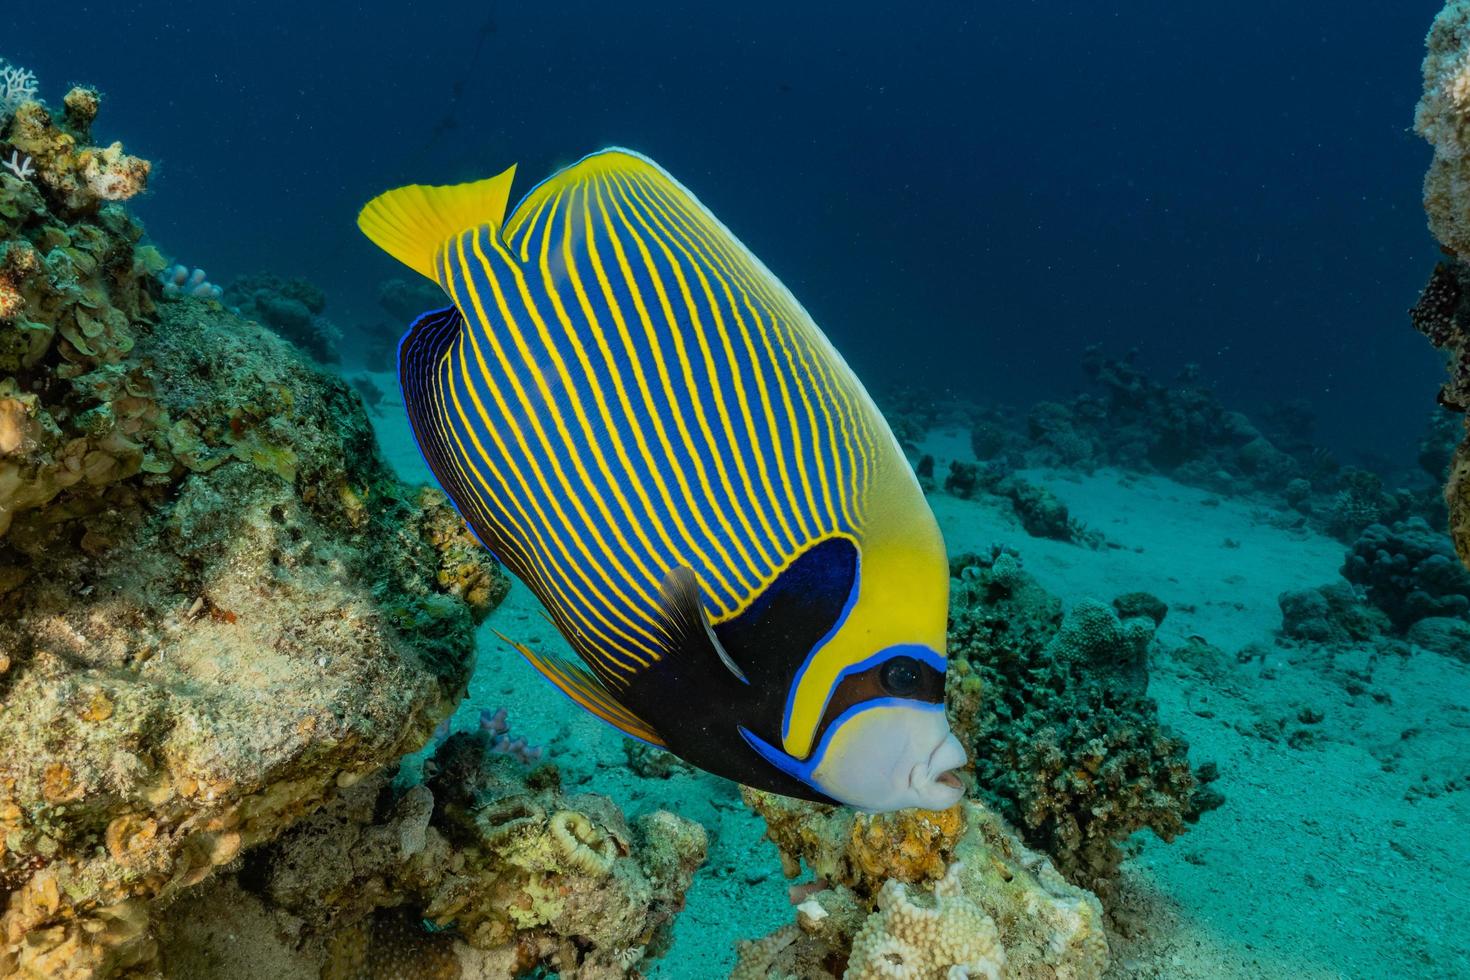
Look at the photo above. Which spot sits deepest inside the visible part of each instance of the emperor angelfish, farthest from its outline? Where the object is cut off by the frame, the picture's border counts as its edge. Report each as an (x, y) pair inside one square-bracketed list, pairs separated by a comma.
[(641, 422)]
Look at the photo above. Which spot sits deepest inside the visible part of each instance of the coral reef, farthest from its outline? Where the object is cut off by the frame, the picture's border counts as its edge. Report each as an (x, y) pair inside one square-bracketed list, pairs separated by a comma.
[(1332, 614), (1457, 495), (1053, 710), (482, 870), (1136, 422), (1409, 571), (76, 416), (979, 903), (75, 177), (1041, 513), (292, 308), (1441, 315), (1442, 117), (217, 607)]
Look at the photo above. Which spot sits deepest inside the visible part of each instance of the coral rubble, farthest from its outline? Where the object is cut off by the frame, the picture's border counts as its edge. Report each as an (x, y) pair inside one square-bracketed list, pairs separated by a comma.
[(980, 903), (1054, 712), (485, 869), (217, 607)]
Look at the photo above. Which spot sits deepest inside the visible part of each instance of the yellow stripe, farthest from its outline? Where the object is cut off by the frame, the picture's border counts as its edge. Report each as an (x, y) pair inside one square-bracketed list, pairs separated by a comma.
[(632, 474), (532, 566), (762, 505), (579, 552), (534, 527), (806, 534), (544, 333), (786, 378), (732, 445), (705, 562), (784, 308)]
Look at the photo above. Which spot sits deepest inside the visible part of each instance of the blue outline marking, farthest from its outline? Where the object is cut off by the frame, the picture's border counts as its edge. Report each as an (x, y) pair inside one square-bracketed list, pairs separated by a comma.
[(852, 598), (418, 443)]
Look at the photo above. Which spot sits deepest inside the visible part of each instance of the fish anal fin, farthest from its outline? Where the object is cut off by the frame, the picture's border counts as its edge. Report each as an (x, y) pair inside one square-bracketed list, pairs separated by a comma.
[(411, 223), (687, 624), (579, 684)]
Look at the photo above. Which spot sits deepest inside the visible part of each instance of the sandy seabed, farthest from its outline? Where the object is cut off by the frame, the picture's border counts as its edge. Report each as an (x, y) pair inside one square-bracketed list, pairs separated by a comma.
[(1338, 853)]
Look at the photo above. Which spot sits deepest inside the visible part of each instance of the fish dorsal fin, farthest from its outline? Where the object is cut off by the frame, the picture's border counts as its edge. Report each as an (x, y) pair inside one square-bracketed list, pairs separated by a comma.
[(687, 624), (411, 223), (579, 684)]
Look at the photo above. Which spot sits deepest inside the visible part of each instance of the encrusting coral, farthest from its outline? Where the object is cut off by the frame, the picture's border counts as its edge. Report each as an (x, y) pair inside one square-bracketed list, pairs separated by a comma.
[(217, 607), (1054, 712), (981, 904), (486, 869)]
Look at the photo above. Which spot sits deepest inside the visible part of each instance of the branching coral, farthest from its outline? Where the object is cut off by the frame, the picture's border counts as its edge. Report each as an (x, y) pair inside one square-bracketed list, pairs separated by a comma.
[(1054, 711), (998, 908), (17, 86)]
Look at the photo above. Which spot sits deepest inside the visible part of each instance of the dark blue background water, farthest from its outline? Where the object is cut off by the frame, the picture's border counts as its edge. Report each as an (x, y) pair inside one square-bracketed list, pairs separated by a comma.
[(963, 195)]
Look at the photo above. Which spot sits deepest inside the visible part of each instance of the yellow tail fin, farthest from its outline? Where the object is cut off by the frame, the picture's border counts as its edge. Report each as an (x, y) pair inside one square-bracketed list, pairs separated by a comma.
[(410, 223)]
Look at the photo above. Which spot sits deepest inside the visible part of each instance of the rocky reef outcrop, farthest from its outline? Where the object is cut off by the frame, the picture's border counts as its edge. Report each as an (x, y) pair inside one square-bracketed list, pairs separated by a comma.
[(217, 607), (1443, 118), (485, 869), (1053, 710), (921, 894)]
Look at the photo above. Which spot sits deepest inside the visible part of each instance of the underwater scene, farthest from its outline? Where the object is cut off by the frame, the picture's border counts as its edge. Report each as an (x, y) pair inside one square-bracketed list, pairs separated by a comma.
[(759, 491)]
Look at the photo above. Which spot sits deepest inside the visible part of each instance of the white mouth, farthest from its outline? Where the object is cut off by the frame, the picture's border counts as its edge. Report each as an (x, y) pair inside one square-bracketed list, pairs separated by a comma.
[(934, 778)]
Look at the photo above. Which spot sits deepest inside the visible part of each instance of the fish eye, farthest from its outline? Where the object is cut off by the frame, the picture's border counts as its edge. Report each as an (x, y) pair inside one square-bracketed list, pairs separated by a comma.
[(900, 676)]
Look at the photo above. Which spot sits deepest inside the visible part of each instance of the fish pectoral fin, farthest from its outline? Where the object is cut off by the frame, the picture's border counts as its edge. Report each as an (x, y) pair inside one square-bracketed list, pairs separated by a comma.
[(411, 223), (686, 623), (583, 687)]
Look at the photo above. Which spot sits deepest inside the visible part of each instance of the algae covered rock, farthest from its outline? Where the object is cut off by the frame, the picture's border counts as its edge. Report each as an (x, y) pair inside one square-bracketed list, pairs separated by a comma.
[(983, 904), (217, 607), (1053, 711)]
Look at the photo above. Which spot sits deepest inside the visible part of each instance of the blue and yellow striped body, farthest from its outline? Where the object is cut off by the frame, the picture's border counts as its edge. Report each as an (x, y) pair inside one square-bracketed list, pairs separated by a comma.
[(621, 390)]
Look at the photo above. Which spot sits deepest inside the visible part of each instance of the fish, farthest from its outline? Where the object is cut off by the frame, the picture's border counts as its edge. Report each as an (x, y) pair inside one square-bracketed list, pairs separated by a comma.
[(646, 428)]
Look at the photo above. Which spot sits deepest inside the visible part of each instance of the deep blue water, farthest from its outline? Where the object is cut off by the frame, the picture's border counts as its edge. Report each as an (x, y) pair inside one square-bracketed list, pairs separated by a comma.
[(964, 195)]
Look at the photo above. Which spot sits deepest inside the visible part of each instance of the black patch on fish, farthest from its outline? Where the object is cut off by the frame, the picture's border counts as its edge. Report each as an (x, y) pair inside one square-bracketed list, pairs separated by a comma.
[(700, 703)]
